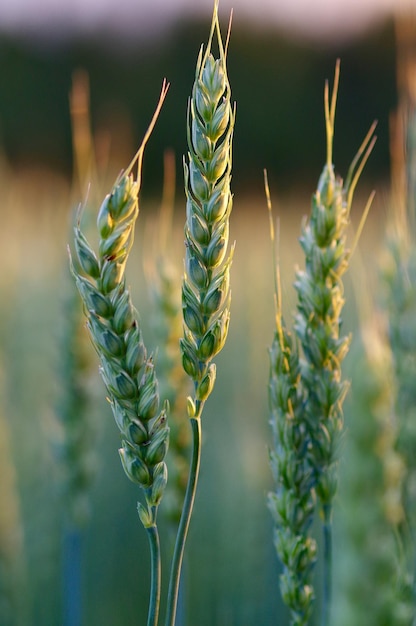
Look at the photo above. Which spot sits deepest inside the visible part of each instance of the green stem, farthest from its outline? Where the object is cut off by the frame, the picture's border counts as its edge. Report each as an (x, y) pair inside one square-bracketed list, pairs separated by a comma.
[(184, 522), (327, 573), (155, 585)]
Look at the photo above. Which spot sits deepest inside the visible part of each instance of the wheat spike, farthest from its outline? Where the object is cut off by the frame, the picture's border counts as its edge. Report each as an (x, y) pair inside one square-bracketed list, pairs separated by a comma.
[(127, 370), (205, 291)]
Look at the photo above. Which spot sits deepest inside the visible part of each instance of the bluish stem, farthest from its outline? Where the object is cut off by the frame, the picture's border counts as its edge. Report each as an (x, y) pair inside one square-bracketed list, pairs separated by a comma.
[(327, 573), (175, 574), (72, 577), (156, 576)]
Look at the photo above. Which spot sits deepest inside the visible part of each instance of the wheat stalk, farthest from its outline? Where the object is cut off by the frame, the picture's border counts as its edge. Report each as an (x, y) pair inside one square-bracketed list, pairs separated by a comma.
[(126, 368), (205, 290)]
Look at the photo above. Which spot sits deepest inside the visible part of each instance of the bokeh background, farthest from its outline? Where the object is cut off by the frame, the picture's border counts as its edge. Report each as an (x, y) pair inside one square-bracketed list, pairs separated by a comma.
[(112, 57)]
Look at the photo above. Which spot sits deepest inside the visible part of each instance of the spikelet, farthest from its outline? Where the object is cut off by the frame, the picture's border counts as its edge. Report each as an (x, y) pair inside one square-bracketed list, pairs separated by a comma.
[(126, 368), (205, 291)]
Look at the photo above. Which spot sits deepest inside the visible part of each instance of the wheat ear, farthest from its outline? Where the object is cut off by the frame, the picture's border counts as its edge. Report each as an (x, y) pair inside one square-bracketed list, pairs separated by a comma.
[(320, 301), (165, 286), (306, 389), (292, 503), (400, 308), (205, 290), (128, 372), (76, 450), (318, 320)]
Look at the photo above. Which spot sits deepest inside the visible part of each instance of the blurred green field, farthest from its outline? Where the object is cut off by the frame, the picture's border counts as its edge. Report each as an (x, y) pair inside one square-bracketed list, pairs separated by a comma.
[(231, 570)]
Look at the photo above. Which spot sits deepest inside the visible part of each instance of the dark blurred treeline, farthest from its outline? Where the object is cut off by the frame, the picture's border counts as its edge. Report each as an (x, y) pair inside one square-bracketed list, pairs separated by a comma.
[(277, 83)]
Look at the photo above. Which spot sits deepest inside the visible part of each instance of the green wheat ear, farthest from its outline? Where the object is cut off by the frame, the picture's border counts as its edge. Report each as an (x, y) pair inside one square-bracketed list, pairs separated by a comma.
[(205, 291), (114, 325), (292, 502), (318, 322), (307, 390), (320, 302)]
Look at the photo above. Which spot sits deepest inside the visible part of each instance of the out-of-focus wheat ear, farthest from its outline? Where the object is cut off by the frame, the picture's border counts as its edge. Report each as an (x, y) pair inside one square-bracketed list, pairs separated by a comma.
[(399, 283), (85, 166), (164, 283), (14, 605), (76, 448)]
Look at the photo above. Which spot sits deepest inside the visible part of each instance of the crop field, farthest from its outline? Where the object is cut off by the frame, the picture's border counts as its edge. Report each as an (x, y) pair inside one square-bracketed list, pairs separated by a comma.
[(231, 571), (304, 512)]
